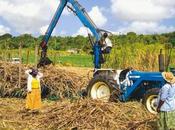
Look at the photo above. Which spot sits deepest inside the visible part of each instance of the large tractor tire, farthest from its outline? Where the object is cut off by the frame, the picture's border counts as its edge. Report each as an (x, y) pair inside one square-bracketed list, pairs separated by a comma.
[(150, 100), (102, 88)]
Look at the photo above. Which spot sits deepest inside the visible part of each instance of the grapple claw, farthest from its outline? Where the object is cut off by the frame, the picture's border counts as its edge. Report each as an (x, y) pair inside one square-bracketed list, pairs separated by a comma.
[(43, 62)]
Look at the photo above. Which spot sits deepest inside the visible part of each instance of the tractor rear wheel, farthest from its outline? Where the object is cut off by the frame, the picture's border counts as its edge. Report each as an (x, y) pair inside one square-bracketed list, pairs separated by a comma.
[(101, 88), (150, 100)]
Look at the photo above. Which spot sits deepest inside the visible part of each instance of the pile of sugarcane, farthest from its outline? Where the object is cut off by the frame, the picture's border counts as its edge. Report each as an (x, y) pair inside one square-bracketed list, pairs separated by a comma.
[(97, 115), (63, 83), (59, 82), (9, 81), (77, 115)]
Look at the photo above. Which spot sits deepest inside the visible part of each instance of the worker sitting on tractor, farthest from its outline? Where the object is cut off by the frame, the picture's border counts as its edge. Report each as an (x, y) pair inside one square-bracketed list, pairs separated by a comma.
[(106, 44)]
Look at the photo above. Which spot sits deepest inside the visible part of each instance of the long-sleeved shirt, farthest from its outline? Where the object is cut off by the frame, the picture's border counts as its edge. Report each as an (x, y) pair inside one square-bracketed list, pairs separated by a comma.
[(167, 94), (29, 79)]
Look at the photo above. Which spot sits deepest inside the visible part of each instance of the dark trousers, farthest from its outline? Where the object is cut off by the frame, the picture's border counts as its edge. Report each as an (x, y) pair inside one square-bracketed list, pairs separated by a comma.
[(107, 50)]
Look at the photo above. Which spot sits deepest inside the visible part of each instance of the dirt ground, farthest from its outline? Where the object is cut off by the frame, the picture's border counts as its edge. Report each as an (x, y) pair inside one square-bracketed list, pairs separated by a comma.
[(13, 115)]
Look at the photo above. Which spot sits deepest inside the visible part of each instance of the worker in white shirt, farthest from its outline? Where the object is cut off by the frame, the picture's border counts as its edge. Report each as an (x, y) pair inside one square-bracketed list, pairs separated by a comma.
[(33, 99), (106, 44)]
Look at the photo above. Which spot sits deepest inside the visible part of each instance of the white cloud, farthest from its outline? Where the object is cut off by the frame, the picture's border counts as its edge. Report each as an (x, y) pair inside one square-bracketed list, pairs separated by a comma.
[(143, 10), (167, 3), (31, 16), (146, 28), (144, 16), (83, 31), (97, 16), (28, 16), (4, 30), (43, 30)]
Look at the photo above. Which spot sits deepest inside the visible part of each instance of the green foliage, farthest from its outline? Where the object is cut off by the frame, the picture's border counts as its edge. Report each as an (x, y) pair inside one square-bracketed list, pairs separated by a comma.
[(80, 42), (5, 36), (140, 56), (138, 51)]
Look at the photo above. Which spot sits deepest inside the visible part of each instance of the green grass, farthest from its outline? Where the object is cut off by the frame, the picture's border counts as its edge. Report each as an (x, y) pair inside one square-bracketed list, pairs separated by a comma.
[(76, 60), (58, 57)]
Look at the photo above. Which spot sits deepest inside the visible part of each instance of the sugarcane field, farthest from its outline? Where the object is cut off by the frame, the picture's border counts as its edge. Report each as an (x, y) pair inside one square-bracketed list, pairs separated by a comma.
[(87, 65)]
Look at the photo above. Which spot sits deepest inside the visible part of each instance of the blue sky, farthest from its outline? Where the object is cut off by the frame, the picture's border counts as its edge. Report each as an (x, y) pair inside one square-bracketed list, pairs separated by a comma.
[(119, 16)]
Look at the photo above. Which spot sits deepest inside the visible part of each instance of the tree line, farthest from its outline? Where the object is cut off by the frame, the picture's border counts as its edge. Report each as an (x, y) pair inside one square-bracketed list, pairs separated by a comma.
[(82, 43)]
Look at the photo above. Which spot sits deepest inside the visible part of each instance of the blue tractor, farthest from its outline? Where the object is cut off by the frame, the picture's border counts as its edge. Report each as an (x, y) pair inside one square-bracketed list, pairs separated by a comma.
[(124, 85), (107, 84)]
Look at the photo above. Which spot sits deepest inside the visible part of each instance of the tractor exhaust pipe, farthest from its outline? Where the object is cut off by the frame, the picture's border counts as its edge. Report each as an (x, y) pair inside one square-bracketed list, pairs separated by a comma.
[(161, 62)]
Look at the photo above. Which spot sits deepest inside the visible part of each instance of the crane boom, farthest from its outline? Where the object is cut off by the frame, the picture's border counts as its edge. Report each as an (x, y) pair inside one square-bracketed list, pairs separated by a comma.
[(87, 22)]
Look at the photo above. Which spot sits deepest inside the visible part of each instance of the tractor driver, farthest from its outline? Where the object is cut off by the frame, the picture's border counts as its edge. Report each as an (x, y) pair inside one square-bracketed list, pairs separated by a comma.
[(106, 44)]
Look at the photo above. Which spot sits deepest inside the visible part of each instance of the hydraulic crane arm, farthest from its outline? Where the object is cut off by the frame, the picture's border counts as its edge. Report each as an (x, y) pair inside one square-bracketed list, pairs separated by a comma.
[(87, 22), (85, 19), (52, 25)]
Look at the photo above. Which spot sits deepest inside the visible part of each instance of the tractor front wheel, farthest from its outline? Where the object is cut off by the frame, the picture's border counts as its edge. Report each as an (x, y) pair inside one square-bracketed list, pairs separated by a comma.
[(150, 100)]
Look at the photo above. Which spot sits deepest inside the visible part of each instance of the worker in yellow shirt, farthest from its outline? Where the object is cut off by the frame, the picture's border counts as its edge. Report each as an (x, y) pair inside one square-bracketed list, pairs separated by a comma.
[(33, 100)]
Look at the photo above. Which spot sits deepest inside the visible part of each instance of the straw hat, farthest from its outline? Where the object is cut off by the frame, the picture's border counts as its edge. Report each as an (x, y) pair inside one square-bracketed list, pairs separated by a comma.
[(169, 77)]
